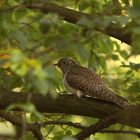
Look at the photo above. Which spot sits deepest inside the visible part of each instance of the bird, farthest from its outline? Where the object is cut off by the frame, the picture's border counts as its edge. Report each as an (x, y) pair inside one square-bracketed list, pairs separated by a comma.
[(82, 81)]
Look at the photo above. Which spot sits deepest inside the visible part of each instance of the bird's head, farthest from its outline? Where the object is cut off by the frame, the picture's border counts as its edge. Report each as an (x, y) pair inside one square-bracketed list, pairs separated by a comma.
[(65, 64)]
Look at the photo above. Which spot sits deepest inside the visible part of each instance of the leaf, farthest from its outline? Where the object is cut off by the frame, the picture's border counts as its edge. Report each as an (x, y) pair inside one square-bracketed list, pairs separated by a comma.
[(125, 1), (83, 5), (28, 136), (135, 87), (21, 38), (68, 133), (115, 57), (133, 66), (85, 22), (94, 61), (124, 54), (29, 107), (68, 138)]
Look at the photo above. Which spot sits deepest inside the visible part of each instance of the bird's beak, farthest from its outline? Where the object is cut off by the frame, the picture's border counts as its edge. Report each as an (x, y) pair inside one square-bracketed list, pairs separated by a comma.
[(56, 64)]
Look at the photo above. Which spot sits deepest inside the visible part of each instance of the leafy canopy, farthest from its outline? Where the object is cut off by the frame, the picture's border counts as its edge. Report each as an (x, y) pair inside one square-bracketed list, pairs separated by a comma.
[(32, 41)]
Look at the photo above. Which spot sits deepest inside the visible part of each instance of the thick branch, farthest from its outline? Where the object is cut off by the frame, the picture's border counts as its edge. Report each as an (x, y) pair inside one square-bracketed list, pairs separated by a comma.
[(67, 104), (128, 116)]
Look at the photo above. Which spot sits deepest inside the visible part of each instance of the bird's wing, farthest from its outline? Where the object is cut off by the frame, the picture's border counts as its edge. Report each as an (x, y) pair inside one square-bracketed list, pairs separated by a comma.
[(85, 80), (91, 84)]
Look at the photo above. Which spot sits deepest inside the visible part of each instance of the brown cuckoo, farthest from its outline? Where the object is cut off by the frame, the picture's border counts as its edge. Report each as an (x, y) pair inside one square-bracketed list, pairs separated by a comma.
[(82, 81)]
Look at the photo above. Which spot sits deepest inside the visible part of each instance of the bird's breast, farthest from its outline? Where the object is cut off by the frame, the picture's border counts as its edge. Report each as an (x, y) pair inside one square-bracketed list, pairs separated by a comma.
[(67, 86)]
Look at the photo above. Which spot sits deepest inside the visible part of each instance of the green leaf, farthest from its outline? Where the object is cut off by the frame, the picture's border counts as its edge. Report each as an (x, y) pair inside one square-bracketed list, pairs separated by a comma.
[(21, 38), (68, 138), (29, 107), (135, 87), (124, 54), (83, 5)]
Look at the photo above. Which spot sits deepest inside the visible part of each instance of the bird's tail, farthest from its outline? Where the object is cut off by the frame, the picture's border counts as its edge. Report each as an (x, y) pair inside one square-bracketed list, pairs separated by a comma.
[(115, 98)]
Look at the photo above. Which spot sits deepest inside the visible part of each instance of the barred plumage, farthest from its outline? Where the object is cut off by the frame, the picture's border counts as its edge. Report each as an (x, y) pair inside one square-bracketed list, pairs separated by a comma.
[(82, 81)]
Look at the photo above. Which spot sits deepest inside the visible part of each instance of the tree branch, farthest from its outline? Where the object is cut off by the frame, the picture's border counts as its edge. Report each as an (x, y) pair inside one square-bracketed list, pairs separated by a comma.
[(79, 126), (67, 104), (73, 16), (127, 116), (96, 127), (16, 121), (76, 125)]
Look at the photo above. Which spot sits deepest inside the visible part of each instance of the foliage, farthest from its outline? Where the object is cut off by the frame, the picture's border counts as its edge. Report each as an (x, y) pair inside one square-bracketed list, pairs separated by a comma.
[(31, 42)]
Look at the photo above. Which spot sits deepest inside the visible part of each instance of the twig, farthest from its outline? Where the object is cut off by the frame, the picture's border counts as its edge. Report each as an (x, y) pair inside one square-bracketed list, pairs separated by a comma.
[(12, 8), (52, 126), (50, 130), (86, 131), (79, 126), (76, 125), (16, 121), (96, 127)]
